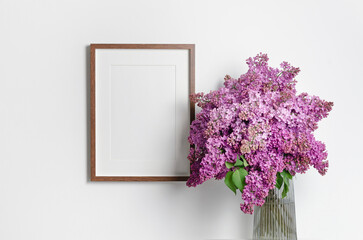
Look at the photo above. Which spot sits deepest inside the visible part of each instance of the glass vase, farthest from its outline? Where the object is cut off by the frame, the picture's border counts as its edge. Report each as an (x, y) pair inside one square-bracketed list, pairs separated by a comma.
[(276, 219)]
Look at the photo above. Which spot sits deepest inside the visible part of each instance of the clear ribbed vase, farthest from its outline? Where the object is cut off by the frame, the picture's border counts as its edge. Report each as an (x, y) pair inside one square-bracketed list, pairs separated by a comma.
[(276, 219)]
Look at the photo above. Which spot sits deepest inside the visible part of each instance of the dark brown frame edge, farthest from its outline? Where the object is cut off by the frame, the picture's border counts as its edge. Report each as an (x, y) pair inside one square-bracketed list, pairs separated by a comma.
[(191, 48)]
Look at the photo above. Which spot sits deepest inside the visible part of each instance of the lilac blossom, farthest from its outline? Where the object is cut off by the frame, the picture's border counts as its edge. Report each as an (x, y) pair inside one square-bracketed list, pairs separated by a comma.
[(260, 116)]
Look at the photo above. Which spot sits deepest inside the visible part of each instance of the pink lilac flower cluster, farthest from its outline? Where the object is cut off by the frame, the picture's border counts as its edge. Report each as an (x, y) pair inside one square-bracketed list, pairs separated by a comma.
[(260, 116)]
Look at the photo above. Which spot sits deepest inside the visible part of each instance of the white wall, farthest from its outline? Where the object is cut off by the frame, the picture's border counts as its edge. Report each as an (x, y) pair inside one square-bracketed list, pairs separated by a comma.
[(44, 74)]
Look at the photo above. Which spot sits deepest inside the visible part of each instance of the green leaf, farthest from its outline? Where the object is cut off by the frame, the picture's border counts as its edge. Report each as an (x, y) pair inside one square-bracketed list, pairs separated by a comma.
[(236, 179), (279, 181), (243, 174), (286, 174), (229, 165), (229, 183), (244, 161), (286, 189), (286, 181), (238, 163)]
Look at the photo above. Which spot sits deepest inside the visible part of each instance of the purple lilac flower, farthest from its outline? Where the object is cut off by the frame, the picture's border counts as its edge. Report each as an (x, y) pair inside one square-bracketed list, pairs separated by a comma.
[(260, 116)]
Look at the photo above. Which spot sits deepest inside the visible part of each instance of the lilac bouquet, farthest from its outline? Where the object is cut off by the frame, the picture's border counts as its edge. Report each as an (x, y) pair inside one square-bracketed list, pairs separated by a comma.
[(256, 132)]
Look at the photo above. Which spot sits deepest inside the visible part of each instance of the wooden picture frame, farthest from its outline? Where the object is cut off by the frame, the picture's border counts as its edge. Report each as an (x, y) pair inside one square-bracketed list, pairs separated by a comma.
[(121, 75)]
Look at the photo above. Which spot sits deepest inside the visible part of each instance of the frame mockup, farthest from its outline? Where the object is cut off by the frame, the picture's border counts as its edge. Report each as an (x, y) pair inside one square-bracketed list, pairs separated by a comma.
[(140, 111)]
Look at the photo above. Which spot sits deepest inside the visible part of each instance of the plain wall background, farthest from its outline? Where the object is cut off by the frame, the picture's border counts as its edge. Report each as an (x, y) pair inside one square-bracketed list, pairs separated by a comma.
[(44, 146)]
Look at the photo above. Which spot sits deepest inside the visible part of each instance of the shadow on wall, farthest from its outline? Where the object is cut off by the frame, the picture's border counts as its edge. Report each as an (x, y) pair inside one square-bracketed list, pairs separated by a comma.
[(88, 112)]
